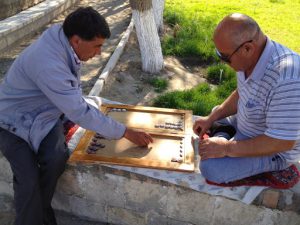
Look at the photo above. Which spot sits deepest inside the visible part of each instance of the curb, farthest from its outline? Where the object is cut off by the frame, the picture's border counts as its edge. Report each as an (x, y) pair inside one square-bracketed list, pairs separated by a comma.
[(14, 28), (97, 88)]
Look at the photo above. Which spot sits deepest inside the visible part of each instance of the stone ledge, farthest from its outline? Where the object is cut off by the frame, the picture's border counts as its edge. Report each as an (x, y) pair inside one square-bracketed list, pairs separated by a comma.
[(11, 7), (18, 26), (100, 193), (110, 195), (281, 199)]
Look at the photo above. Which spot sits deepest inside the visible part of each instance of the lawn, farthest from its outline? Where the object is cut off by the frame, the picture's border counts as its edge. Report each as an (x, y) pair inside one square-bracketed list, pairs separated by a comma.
[(192, 24), (195, 21)]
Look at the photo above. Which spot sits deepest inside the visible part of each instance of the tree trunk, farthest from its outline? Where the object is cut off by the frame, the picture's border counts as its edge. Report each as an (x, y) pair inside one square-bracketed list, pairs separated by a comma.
[(150, 47), (158, 10)]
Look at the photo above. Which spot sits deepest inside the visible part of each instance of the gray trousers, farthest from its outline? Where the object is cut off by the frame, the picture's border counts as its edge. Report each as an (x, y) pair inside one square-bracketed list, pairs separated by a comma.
[(35, 175)]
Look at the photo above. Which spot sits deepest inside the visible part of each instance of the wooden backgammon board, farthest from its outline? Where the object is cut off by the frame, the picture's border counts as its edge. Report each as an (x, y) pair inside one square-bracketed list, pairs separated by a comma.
[(171, 130)]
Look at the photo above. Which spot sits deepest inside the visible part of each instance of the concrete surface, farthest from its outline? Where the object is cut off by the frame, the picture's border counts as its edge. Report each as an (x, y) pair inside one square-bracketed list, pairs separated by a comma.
[(18, 26), (11, 7), (99, 193), (62, 219), (96, 194), (105, 194)]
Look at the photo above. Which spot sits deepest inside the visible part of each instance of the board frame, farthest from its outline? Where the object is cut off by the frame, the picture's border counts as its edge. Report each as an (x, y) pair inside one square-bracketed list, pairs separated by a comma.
[(187, 164)]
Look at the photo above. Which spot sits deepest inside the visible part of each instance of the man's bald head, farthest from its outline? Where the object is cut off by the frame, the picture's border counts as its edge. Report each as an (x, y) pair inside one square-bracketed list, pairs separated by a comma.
[(236, 28), (239, 42)]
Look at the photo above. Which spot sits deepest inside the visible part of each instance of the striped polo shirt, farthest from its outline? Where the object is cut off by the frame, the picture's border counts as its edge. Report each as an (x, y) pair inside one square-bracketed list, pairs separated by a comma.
[(269, 100)]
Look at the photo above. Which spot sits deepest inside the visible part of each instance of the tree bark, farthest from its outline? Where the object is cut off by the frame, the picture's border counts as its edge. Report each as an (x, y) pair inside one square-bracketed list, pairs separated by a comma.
[(150, 47), (158, 10)]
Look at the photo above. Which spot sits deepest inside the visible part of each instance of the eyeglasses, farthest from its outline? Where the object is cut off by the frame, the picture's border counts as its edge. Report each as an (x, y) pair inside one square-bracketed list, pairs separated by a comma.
[(227, 58)]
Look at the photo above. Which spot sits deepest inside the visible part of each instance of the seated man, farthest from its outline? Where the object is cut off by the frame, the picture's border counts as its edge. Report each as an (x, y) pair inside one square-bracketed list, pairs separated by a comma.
[(264, 109), (41, 87)]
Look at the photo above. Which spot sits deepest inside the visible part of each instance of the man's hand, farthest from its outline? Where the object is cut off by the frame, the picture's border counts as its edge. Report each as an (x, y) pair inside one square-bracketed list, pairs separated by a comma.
[(201, 125), (215, 147), (137, 137)]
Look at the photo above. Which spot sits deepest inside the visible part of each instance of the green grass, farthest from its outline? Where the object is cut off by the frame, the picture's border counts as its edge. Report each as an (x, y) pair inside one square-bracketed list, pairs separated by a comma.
[(159, 84), (217, 74), (200, 99), (195, 21), (191, 37)]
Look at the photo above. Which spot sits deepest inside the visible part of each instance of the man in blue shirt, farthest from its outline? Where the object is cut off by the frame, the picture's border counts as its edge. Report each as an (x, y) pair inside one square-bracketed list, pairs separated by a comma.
[(264, 109), (41, 87)]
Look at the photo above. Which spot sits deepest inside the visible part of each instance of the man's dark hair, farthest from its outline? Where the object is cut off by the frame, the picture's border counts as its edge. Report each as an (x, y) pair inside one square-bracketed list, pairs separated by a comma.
[(87, 23)]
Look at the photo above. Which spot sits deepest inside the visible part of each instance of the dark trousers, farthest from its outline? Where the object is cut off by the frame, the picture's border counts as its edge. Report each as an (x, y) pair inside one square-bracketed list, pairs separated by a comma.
[(35, 175)]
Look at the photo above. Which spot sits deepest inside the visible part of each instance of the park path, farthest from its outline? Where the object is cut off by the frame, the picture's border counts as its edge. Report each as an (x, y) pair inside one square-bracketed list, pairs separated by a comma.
[(117, 14)]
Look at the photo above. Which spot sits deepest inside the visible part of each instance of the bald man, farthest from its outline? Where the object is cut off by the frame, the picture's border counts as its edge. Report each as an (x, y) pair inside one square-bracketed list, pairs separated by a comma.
[(264, 109)]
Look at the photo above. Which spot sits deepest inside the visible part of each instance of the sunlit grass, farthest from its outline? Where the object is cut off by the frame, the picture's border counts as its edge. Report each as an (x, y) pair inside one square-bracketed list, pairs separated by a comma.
[(159, 84), (193, 23), (195, 20), (200, 99)]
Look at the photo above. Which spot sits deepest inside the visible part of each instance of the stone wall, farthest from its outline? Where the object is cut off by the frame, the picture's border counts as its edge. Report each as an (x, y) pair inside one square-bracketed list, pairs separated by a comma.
[(99, 193), (12, 7)]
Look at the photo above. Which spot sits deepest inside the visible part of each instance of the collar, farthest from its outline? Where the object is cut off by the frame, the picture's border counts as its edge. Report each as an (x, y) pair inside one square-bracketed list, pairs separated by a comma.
[(76, 58), (262, 63)]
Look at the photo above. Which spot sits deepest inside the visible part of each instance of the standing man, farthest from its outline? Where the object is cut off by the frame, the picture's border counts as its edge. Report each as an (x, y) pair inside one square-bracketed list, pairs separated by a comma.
[(264, 109), (42, 86)]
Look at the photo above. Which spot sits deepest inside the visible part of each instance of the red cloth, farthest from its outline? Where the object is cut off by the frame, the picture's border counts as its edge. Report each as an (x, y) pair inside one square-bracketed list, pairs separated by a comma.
[(69, 129), (205, 136), (283, 179)]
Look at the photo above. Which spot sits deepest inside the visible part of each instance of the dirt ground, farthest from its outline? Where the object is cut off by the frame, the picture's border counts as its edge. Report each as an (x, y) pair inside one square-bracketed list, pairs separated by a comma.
[(129, 84)]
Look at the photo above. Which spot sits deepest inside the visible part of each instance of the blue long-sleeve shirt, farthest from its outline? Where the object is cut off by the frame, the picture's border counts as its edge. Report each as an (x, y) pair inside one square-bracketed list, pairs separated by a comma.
[(42, 84)]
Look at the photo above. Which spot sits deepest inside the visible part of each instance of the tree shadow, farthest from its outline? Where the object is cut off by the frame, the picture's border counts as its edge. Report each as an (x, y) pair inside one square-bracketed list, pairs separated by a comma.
[(112, 7)]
